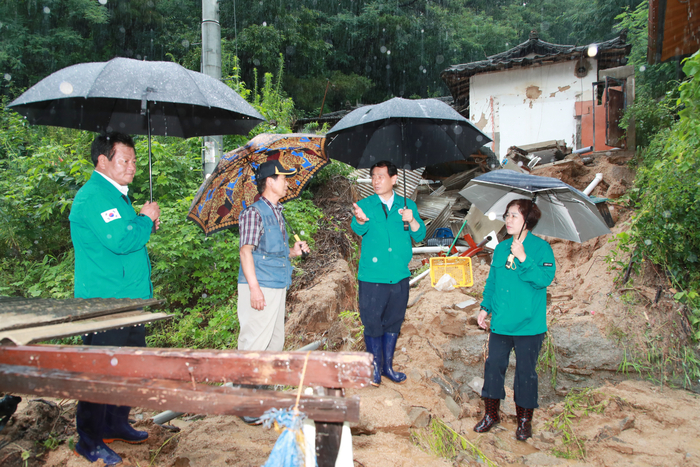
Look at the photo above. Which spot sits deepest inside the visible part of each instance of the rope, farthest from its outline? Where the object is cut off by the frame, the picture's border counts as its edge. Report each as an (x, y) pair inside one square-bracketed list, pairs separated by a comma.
[(301, 382)]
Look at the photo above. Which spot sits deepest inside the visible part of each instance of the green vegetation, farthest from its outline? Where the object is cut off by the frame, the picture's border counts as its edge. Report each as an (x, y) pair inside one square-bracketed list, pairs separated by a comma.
[(440, 440), (547, 360), (335, 53), (577, 404), (41, 169), (665, 196)]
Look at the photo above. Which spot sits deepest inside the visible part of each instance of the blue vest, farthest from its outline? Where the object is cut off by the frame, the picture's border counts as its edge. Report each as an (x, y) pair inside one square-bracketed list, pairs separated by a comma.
[(273, 268)]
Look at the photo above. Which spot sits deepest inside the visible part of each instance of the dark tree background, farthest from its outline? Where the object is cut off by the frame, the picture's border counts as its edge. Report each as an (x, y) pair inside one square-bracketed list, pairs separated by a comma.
[(365, 50)]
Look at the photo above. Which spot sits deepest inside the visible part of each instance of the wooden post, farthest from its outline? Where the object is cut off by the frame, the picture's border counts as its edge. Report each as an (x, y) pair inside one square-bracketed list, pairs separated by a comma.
[(328, 435)]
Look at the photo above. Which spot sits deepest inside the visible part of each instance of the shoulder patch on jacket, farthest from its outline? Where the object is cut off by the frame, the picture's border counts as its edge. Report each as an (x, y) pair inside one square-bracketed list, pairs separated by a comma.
[(111, 215), (547, 264)]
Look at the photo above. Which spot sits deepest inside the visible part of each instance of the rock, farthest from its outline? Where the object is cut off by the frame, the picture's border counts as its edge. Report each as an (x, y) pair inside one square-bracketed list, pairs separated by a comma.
[(419, 417), (620, 449), (547, 437), (583, 347), (414, 374), (477, 384), (540, 458), (627, 423), (445, 386), (453, 407), (382, 410), (607, 432), (453, 323), (464, 391), (465, 304)]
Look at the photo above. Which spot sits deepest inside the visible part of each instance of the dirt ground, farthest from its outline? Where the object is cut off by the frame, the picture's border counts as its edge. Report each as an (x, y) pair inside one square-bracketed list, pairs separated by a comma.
[(619, 419)]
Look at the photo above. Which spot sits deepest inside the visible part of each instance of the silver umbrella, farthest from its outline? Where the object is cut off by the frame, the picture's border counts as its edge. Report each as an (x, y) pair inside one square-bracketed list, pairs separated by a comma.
[(567, 213)]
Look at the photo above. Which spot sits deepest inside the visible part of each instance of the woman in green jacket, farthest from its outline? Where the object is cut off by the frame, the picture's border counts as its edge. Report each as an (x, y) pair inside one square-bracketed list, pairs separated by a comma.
[(515, 295)]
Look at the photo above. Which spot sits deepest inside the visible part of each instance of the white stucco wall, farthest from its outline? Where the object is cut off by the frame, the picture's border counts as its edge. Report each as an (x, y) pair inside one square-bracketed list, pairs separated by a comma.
[(529, 105)]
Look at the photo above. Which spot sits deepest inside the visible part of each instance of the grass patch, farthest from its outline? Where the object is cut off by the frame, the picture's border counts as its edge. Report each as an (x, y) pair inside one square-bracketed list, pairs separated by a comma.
[(442, 441), (547, 360), (577, 404)]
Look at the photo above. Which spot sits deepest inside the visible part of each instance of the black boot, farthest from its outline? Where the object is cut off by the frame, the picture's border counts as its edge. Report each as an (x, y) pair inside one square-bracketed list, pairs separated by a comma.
[(247, 419), (118, 428), (524, 429), (374, 346), (89, 421), (491, 416), (389, 346)]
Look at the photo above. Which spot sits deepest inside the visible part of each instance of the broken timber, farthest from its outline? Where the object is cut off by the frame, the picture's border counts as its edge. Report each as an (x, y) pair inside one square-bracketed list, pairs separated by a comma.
[(177, 379)]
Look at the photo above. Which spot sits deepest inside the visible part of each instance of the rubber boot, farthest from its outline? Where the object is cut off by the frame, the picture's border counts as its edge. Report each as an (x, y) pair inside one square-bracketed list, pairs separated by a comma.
[(251, 420), (389, 345), (374, 346), (118, 428), (89, 421), (491, 416), (524, 420)]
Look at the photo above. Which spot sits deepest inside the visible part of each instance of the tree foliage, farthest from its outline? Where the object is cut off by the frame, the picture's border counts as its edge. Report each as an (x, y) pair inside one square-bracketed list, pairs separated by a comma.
[(364, 50), (667, 193)]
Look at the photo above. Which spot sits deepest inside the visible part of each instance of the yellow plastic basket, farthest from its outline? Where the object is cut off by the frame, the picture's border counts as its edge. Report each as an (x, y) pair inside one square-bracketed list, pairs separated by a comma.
[(459, 268)]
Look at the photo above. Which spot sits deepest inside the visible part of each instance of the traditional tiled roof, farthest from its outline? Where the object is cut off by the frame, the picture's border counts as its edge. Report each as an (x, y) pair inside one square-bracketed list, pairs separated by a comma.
[(534, 51)]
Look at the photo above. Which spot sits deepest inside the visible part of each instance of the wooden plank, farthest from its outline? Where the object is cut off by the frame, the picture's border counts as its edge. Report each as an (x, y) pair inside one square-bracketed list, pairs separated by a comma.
[(159, 394), (328, 369), (84, 326), (19, 313)]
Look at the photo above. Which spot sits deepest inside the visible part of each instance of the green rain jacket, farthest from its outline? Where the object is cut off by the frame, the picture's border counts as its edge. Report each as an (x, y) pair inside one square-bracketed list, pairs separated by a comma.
[(109, 239), (517, 299), (386, 246)]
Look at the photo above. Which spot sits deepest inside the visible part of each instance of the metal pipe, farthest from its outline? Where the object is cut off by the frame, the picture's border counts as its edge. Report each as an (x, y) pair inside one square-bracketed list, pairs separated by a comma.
[(436, 249), (211, 66), (582, 150)]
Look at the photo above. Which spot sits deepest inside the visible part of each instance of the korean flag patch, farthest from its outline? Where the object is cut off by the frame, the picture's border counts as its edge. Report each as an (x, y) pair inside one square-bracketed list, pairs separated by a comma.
[(111, 215)]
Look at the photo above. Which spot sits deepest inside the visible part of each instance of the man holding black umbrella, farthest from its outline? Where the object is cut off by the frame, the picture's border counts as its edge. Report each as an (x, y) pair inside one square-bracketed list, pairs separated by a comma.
[(111, 261), (383, 271)]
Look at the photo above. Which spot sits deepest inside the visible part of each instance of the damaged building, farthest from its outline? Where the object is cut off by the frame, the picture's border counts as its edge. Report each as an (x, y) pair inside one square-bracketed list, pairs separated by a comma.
[(538, 91)]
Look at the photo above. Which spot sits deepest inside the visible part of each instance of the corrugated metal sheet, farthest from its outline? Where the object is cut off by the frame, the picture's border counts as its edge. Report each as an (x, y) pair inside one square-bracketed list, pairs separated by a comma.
[(442, 220), (429, 207), (413, 178)]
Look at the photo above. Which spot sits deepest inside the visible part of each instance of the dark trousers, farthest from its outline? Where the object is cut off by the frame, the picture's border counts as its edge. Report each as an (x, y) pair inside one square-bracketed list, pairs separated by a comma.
[(527, 350), (90, 417), (382, 306)]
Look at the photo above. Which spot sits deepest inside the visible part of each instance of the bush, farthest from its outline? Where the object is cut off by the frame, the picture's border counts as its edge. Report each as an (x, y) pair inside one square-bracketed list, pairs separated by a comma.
[(667, 193)]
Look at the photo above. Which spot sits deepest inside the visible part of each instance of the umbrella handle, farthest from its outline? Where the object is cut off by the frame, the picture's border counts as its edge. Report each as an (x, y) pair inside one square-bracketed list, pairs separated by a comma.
[(304, 254)]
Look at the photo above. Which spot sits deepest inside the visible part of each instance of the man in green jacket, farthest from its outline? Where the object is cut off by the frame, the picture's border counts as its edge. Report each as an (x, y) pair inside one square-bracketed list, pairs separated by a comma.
[(111, 261), (383, 273)]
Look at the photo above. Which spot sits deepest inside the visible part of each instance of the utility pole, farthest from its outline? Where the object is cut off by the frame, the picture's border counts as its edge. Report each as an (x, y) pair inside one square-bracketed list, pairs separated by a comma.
[(211, 66)]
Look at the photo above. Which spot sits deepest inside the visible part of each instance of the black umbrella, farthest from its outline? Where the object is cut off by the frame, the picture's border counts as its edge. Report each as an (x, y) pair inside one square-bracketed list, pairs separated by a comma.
[(411, 133), (137, 97)]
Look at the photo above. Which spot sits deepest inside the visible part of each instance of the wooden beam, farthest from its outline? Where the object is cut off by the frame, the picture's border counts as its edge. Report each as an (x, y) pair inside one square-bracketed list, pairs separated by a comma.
[(160, 394), (327, 369), (84, 326), (18, 312)]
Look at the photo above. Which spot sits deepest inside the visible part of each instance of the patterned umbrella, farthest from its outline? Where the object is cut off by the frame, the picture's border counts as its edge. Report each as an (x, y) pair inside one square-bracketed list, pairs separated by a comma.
[(231, 187)]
